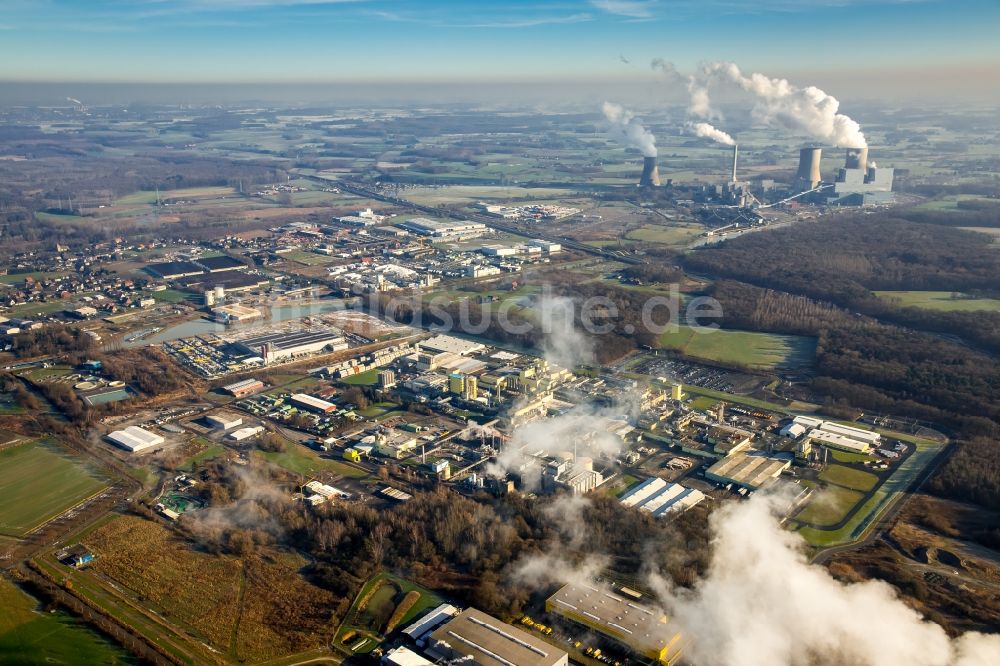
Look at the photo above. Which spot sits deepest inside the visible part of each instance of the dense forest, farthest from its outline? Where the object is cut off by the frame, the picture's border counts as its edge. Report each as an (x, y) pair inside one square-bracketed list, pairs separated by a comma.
[(472, 547), (843, 259)]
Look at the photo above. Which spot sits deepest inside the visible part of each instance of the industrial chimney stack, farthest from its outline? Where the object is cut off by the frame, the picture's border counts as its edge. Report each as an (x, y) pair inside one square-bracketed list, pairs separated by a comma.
[(809, 171), (650, 173), (736, 153)]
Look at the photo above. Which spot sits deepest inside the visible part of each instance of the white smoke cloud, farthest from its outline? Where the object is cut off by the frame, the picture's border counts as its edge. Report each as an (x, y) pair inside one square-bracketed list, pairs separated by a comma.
[(581, 431), (628, 129), (779, 103), (763, 603), (563, 344), (710, 132)]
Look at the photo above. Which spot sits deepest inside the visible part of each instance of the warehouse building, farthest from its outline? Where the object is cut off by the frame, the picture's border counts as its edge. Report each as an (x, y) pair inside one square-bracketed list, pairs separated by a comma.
[(431, 621), (748, 471), (451, 344), (312, 404), (661, 498), (234, 313), (223, 421), (285, 345), (135, 439), (479, 639), (171, 270), (244, 388), (833, 435), (219, 264), (441, 229), (643, 629), (404, 656), (245, 433)]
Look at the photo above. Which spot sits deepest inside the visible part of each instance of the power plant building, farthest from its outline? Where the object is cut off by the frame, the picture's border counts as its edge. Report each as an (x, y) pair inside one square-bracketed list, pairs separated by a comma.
[(861, 182), (645, 630), (478, 639)]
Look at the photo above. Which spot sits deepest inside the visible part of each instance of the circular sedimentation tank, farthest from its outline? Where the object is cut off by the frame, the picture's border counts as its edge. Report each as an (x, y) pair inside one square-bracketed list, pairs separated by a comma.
[(85, 386), (116, 384)]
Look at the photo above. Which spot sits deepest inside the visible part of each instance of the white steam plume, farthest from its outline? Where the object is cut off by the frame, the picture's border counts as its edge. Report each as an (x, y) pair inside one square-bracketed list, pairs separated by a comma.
[(628, 129), (709, 132), (779, 103), (763, 603), (563, 344)]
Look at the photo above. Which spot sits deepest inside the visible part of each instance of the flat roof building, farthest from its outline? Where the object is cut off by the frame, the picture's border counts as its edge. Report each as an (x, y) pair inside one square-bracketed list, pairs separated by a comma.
[(245, 433), (450, 344), (404, 656), (312, 404), (284, 345), (482, 640), (443, 229), (749, 471), (644, 629), (220, 263), (170, 270), (661, 498), (223, 421), (244, 388), (234, 313), (135, 439), (431, 621)]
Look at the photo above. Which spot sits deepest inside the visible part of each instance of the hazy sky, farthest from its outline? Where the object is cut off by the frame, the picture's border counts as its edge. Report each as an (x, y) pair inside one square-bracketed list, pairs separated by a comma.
[(441, 40)]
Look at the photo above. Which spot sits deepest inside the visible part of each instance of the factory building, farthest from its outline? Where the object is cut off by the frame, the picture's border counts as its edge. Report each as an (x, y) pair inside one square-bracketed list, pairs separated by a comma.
[(392, 443), (245, 433), (452, 344), (316, 492), (833, 435), (172, 270), (404, 656), (440, 229), (479, 639), (430, 622), (281, 346), (567, 472), (643, 629), (244, 388), (223, 421), (312, 404), (661, 498), (747, 471), (134, 439), (218, 264), (386, 379), (234, 313)]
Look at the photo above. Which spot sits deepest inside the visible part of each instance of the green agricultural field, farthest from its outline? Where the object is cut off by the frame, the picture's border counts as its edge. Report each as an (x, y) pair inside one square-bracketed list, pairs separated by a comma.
[(755, 350), (855, 479), (435, 196), (829, 506), (38, 481), (939, 300), (30, 637), (169, 296), (149, 196)]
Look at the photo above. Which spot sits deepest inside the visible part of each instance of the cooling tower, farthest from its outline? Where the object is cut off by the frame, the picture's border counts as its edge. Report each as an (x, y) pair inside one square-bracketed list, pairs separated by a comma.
[(857, 158), (650, 173), (809, 166)]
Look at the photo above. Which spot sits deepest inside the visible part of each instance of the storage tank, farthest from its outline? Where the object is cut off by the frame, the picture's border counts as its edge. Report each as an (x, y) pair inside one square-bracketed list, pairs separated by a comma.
[(220, 294), (209, 298)]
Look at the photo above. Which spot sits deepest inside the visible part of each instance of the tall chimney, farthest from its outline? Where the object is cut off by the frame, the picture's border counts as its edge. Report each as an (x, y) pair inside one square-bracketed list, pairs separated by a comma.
[(857, 158), (809, 162), (650, 173), (736, 153)]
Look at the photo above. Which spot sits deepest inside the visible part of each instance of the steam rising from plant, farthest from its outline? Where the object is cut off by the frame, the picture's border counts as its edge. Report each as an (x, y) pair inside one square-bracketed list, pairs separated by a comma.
[(776, 102), (563, 343), (761, 602), (629, 130), (709, 132)]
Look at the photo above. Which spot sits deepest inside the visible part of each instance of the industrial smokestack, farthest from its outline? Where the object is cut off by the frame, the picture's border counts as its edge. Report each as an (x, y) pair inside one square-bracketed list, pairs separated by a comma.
[(857, 158), (650, 173), (809, 172), (736, 153)]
